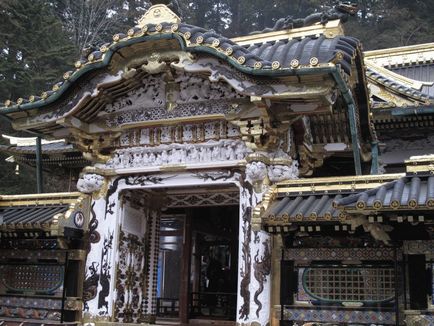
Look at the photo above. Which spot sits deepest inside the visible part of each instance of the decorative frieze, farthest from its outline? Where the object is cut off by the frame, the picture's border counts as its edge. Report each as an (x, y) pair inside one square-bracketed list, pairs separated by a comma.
[(211, 151), (180, 133), (220, 198), (190, 88), (307, 254)]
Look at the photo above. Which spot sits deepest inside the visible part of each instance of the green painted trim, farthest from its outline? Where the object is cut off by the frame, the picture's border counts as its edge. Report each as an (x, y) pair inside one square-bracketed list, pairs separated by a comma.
[(355, 142), (193, 49)]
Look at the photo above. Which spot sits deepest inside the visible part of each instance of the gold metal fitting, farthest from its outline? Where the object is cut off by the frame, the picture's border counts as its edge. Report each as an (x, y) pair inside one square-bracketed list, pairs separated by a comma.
[(174, 28), (20, 101), (229, 51), (158, 27), (187, 35), (91, 57), (67, 75), (199, 39), (216, 43), (44, 95), (8, 103), (131, 32), (377, 204), (116, 37), (327, 216), (394, 204), (32, 98), (104, 48), (78, 64), (145, 29), (241, 60), (361, 205), (412, 203), (339, 56), (294, 63), (55, 87), (258, 65), (313, 61), (275, 65)]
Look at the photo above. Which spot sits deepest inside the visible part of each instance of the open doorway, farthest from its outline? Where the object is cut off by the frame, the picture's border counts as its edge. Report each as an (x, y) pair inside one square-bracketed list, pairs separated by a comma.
[(197, 269)]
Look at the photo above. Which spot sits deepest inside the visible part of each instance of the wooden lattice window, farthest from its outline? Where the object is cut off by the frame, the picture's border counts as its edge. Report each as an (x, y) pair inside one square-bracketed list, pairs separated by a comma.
[(347, 284)]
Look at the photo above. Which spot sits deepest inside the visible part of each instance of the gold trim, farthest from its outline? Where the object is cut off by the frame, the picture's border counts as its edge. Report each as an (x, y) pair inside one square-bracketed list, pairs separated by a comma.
[(401, 55), (351, 183), (418, 164), (158, 14), (332, 29)]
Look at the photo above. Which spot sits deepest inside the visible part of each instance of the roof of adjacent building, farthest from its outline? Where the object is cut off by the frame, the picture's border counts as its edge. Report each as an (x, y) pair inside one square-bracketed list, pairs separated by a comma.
[(46, 213), (405, 74), (406, 193), (333, 200)]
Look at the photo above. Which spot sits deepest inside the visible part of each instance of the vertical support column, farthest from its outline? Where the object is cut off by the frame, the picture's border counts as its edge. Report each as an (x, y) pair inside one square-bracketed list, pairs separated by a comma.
[(276, 258), (260, 303), (149, 304), (185, 271), (99, 284), (39, 181), (254, 279)]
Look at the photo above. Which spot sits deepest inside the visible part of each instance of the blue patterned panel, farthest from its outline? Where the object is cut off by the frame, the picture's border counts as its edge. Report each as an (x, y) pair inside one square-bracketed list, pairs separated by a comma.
[(40, 279), (340, 316)]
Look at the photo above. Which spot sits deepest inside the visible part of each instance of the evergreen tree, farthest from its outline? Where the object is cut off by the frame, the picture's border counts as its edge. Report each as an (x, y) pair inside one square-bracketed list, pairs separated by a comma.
[(34, 50)]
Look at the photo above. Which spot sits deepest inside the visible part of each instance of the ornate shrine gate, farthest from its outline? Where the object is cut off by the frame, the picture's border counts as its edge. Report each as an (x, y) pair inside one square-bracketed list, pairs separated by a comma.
[(127, 255)]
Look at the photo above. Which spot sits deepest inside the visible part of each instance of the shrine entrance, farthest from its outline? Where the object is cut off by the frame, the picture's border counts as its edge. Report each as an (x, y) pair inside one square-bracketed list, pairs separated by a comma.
[(197, 264)]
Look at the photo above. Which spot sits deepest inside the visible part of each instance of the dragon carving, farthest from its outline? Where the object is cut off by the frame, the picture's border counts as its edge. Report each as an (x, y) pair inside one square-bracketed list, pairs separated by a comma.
[(341, 11), (262, 268), (90, 285)]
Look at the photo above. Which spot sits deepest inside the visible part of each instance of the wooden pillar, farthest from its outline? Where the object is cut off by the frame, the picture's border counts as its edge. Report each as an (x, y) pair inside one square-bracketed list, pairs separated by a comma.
[(184, 292), (275, 280)]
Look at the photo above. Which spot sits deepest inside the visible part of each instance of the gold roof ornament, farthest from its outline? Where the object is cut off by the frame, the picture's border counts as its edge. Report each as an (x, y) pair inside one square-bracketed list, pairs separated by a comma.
[(158, 14)]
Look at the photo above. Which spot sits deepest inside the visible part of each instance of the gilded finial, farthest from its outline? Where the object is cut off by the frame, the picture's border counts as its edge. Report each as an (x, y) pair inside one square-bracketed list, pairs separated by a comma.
[(158, 14)]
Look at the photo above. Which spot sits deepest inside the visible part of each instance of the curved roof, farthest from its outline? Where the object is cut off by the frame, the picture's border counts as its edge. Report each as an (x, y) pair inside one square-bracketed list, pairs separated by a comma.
[(406, 193), (271, 58)]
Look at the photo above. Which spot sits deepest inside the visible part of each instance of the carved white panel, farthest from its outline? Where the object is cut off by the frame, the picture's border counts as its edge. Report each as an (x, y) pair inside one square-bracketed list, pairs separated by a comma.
[(211, 151), (145, 138)]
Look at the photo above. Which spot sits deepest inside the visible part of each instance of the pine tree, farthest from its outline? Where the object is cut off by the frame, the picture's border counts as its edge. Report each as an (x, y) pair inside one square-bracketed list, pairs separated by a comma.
[(34, 48)]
